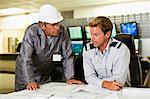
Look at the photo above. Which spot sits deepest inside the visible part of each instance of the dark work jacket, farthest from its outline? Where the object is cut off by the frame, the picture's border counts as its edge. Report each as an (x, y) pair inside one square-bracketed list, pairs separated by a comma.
[(34, 63)]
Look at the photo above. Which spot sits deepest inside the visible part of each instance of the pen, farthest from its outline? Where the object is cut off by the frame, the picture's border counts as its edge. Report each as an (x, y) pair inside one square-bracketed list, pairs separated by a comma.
[(51, 95), (118, 85)]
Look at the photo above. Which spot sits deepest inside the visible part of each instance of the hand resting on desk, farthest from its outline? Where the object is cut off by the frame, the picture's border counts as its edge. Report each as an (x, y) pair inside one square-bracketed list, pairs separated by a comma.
[(33, 86), (112, 85), (73, 81)]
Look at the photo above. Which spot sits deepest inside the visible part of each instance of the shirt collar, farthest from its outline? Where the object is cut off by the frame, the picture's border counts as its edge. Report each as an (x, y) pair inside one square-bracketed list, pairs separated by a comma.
[(107, 49)]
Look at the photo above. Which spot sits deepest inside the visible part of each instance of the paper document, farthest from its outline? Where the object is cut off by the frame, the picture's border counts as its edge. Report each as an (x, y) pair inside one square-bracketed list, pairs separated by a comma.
[(112, 96), (93, 89), (35, 93)]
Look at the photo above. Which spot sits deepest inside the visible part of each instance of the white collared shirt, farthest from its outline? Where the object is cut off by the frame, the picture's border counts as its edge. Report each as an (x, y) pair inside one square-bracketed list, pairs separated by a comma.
[(112, 64)]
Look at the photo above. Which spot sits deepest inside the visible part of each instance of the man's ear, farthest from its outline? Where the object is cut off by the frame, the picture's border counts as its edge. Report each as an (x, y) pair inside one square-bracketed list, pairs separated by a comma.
[(42, 26), (108, 34)]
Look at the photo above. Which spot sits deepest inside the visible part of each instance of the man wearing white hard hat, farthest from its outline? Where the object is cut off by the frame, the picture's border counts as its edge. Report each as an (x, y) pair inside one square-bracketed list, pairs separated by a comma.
[(44, 43)]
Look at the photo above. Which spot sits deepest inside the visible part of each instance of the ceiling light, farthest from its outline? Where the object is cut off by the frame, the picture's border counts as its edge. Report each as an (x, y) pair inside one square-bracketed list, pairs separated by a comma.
[(11, 11)]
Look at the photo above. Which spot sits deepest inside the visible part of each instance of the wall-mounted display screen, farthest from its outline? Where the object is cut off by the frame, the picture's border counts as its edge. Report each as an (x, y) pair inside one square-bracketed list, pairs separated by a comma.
[(75, 32), (114, 30), (129, 28), (77, 47), (87, 32)]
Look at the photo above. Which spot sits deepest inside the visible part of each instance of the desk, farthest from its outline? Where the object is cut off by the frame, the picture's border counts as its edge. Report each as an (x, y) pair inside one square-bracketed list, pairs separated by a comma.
[(64, 91)]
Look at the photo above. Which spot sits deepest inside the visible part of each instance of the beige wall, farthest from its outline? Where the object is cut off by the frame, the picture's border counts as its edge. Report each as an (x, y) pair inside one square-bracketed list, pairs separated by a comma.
[(1, 42), (14, 26), (113, 9), (118, 9)]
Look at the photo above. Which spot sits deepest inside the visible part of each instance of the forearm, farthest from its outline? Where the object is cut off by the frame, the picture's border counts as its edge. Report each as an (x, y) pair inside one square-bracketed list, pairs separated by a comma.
[(94, 80), (22, 75), (68, 68), (119, 76), (24, 64), (25, 72)]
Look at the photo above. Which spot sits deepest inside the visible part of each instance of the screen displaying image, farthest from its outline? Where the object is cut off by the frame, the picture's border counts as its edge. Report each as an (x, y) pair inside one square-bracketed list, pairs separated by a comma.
[(114, 30), (77, 47), (130, 28), (87, 32), (75, 32)]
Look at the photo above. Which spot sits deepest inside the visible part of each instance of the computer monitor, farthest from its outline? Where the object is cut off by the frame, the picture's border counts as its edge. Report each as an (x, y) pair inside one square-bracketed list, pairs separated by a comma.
[(114, 30), (77, 47), (87, 32), (75, 32), (129, 28)]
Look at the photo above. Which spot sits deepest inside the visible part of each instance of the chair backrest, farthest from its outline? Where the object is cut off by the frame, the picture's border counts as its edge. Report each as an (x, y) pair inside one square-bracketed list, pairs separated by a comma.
[(18, 47), (78, 68), (135, 65)]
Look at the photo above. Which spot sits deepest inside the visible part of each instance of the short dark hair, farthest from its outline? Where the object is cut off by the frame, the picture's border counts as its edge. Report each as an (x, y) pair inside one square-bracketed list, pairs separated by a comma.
[(103, 23)]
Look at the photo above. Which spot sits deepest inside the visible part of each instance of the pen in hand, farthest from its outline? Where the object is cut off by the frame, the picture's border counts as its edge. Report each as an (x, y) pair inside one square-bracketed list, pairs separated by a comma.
[(118, 84)]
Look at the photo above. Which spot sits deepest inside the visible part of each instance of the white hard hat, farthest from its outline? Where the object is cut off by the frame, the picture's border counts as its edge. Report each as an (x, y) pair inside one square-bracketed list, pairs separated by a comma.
[(49, 14)]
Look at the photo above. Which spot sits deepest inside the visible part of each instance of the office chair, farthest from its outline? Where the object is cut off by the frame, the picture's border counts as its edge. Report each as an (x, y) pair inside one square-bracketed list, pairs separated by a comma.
[(18, 47), (145, 64), (135, 65), (78, 68)]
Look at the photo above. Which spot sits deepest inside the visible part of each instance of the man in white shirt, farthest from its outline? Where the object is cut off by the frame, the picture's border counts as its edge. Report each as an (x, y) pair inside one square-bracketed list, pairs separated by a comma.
[(105, 59)]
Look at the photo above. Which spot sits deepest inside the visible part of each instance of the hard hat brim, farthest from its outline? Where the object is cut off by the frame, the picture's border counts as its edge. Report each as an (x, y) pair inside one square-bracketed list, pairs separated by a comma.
[(52, 21)]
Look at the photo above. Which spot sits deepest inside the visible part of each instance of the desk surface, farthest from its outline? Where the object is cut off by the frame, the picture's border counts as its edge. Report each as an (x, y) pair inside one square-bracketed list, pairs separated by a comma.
[(65, 91)]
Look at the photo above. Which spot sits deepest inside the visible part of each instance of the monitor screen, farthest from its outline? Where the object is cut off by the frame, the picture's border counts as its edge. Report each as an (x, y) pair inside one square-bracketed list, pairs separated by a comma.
[(77, 47), (87, 32), (114, 30), (75, 32), (129, 28)]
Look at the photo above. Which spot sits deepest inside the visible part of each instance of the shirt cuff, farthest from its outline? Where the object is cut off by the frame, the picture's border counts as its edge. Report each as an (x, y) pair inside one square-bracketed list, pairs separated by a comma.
[(101, 82)]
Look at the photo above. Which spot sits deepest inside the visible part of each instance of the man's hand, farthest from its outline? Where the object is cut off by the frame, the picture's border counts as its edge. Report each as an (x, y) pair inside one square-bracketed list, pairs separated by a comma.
[(33, 86), (73, 81), (112, 85)]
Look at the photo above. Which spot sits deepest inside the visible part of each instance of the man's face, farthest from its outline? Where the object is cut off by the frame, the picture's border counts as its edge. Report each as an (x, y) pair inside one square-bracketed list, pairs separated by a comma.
[(97, 37), (52, 29)]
